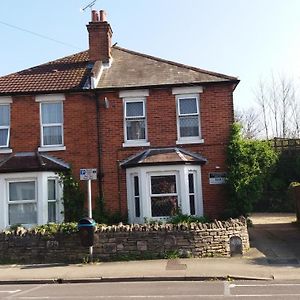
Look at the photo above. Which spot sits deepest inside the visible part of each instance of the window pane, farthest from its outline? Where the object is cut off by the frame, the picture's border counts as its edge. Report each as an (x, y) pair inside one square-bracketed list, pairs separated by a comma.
[(19, 191), (3, 137), (136, 130), (134, 109), (51, 189), (137, 207), (192, 205), (51, 113), (4, 115), (136, 186), (188, 106), (191, 183), (52, 212), (163, 184), (189, 126), (164, 206), (22, 213), (52, 135)]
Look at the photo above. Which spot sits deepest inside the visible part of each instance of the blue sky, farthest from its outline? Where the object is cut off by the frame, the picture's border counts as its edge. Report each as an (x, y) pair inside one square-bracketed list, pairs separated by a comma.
[(244, 38)]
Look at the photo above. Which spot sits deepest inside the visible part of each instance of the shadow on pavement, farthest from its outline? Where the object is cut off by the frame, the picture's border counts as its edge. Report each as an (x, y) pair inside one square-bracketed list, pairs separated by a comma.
[(273, 243)]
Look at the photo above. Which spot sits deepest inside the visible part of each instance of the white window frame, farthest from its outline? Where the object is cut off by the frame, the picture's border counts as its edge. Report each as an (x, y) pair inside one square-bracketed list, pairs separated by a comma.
[(177, 194), (6, 100), (6, 127), (51, 98), (188, 139), (182, 188), (56, 200), (33, 201), (138, 142)]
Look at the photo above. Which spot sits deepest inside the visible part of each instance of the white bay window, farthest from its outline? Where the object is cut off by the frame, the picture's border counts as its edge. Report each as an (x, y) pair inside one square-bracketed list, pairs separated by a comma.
[(160, 192), (30, 198)]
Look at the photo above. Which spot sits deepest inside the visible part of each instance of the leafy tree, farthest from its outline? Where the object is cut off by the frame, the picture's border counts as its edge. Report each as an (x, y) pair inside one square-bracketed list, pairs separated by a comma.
[(249, 165)]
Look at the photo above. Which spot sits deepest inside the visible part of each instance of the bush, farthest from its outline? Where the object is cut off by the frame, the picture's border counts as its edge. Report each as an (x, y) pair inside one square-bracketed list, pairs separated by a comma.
[(250, 164), (181, 218)]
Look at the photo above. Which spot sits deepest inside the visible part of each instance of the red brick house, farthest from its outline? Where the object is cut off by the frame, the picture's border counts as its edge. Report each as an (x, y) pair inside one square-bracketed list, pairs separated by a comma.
[(156, 131)]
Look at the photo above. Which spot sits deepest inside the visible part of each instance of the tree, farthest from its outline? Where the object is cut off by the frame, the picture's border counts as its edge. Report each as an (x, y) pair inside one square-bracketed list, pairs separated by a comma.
[(249, 165), (279, 107), (250, 122)]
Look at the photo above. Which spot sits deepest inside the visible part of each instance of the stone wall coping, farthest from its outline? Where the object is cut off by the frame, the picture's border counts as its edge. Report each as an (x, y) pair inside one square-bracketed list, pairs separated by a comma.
[(216, 225)]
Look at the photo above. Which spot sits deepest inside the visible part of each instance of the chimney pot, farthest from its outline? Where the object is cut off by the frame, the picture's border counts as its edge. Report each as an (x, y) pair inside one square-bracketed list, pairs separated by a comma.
[(103, 17), (95, 16)]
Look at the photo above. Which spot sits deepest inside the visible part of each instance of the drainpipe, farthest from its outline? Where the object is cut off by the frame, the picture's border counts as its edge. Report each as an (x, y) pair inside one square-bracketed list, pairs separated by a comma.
[(119, 186), (99, 146)]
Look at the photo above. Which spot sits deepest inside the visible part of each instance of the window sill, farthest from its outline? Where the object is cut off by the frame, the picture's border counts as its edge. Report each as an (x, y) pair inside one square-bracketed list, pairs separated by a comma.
[(54, 148), (5, 150), (136, 144), (198, 141)]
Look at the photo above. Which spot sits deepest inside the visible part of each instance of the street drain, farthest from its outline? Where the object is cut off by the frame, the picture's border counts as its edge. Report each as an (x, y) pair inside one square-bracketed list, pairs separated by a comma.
[(282, 261)]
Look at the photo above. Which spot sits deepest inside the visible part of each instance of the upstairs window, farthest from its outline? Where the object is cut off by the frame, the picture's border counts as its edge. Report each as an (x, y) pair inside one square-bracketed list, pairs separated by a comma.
[(52, 123), (188, 122), (135, 120), (4, 125)]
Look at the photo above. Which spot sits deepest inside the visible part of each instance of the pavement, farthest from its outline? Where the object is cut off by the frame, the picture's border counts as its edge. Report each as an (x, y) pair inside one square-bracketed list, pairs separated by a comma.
[(274, 254)]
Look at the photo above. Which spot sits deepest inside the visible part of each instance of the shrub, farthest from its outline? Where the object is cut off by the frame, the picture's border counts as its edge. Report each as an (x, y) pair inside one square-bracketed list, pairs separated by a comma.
[(181, 218), (250, 164)]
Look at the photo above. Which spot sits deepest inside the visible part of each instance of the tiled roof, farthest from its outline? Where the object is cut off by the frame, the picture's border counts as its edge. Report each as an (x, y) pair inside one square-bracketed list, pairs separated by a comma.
[(163, 156), (67, 73), (31, 162), (128, 69), (133, 69)]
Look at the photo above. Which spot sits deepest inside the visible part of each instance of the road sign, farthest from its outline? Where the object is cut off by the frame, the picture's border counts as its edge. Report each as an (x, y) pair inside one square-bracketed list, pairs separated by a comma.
[(88, 174)]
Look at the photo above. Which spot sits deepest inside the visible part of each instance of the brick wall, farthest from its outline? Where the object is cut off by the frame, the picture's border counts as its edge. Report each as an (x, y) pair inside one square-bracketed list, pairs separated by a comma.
[(132, 241), (80, 135)]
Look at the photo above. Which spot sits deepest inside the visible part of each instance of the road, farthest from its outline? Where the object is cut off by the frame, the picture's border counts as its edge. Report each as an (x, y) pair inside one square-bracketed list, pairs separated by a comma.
[(187, 290)]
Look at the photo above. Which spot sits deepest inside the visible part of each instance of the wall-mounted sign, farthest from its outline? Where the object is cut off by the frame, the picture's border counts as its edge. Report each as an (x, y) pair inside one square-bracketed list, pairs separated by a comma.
[(217, 178), (88, 174)]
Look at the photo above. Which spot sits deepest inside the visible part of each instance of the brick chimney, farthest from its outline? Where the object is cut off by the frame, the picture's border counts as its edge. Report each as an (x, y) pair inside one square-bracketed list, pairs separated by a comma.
[(100, 35)]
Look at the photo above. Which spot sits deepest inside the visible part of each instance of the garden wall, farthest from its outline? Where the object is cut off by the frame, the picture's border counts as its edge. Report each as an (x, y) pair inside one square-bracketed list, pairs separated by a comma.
[(127, 242)]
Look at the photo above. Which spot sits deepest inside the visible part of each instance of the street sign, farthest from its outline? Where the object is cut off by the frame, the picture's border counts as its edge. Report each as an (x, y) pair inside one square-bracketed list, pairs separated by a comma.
[(88, 174)]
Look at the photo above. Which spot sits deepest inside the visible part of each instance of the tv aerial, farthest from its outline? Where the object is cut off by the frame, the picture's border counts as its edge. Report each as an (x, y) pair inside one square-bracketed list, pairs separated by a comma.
[(90, 5)]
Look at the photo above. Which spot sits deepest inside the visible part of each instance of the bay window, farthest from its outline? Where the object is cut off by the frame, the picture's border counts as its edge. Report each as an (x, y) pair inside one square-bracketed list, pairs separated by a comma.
[(160, 192)]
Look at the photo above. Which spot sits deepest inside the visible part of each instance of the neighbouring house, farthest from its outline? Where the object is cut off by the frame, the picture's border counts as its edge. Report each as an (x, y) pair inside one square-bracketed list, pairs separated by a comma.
[(155, 130)]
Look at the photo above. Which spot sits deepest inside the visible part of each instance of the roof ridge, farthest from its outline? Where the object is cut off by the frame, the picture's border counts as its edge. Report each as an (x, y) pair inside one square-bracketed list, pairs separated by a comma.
[(176, 63)]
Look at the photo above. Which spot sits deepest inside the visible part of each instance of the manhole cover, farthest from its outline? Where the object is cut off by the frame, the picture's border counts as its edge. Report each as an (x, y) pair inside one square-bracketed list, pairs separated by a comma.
[(282, 261), (175, 264)]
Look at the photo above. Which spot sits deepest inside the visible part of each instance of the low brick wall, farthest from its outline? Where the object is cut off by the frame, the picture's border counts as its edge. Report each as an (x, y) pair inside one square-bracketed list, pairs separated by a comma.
[(126, 242)]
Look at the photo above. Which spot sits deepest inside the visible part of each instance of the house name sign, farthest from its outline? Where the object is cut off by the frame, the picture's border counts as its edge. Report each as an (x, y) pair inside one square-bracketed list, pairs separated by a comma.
[(217, 178), (88, 174)]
